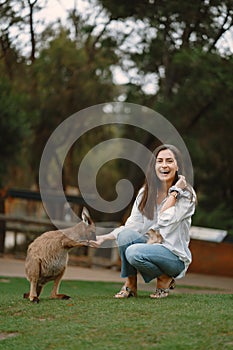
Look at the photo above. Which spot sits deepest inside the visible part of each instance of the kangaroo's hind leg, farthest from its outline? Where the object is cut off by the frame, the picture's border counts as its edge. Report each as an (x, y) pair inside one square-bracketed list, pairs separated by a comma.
[(39, 288), (54, 293), (33, 274)]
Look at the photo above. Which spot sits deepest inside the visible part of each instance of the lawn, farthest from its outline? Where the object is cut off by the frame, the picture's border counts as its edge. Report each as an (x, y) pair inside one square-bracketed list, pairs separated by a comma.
[(93, 319)]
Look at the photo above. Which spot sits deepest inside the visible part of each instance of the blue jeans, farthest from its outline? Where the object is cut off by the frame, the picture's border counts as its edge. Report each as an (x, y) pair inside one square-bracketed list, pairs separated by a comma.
[(151, 260)]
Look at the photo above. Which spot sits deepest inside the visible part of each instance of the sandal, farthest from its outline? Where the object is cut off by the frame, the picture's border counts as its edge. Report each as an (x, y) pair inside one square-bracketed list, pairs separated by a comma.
[(163, 292), (172, 284), (160, 293), (125, 292)]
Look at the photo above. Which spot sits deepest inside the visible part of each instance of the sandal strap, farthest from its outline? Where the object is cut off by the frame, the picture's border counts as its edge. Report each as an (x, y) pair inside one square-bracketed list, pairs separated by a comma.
[(162, 290), (172, 284), (125, 292), (160, 293)]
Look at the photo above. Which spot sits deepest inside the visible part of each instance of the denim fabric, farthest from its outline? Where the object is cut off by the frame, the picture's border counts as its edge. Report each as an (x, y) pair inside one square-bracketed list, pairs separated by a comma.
[(151, 260)]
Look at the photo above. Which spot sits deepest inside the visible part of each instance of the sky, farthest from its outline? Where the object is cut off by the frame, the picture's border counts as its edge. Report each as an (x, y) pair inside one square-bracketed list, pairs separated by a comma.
[(57, 9)]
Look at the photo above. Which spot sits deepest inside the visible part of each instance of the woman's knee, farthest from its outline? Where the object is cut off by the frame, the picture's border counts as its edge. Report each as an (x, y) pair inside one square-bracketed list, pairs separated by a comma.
[(126, 237), (132, 253)]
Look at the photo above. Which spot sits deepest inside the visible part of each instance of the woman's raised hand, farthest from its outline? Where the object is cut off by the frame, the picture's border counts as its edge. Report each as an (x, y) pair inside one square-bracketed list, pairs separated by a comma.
[(181, 183)]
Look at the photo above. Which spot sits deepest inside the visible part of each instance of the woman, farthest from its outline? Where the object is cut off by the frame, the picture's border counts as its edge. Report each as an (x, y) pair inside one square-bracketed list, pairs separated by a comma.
[(164, 205)]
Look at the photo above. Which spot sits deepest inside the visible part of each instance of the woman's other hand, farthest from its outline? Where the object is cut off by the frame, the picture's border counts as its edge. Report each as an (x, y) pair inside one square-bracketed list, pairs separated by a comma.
[(181, 183)]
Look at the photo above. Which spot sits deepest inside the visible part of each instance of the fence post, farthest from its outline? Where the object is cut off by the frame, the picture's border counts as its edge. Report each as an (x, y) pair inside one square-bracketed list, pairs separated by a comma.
[(2, 225)]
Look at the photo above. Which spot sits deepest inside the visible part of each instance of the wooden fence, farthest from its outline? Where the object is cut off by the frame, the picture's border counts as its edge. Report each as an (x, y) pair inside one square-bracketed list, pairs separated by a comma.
[(31, 226)]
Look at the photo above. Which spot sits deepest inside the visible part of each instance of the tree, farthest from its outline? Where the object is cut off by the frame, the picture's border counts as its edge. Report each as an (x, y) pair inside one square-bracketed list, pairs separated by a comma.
[(181, 48), (14, 129), (63, 75), (175, 45), (69, 80)]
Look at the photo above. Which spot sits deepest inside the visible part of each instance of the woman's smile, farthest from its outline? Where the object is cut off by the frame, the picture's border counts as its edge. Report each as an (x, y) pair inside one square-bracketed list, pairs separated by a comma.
[(166, 166)]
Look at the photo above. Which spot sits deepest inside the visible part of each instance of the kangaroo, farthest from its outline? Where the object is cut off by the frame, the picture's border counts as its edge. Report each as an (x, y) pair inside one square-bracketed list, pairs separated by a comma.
[(47, 256)]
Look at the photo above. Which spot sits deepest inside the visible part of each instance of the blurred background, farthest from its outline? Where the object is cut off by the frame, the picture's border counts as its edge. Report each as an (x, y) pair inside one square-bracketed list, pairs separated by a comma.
[(175, 57)]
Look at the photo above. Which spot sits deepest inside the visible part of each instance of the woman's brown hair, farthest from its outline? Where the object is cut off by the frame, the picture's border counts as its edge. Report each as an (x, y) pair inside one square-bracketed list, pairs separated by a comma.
[(152, 183)]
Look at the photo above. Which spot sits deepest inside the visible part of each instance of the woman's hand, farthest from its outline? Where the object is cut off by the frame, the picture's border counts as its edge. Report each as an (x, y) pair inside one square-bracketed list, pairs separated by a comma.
[(101, 239), (181, 183), (97, 243)]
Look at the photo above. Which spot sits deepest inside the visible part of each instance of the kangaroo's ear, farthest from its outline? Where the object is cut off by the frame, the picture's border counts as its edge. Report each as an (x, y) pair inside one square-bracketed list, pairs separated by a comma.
[(86, 216)]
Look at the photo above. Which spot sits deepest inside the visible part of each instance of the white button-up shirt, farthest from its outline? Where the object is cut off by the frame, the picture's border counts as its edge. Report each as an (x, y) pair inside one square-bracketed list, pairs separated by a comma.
[(173, 224)]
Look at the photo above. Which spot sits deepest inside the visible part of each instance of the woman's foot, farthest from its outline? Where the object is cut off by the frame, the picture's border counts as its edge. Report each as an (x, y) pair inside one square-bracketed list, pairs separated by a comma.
[(129, 289), (125, 292), (164, 284), (160, 293)]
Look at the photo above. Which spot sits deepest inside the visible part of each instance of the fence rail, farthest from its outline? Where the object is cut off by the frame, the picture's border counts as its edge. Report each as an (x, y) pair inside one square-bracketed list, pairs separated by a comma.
[(31, 226), (50, 196), (7, 221)]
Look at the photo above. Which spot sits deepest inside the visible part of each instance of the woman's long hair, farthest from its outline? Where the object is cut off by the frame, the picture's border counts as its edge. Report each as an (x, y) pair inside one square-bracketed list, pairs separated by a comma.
[(152, 183)]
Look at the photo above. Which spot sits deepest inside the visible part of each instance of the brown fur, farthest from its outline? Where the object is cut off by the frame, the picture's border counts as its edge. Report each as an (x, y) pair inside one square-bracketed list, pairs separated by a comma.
[(154, 237), (47, 256)]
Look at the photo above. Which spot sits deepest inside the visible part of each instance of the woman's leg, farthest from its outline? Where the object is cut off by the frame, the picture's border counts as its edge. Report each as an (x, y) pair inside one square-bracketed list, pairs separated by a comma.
[(154, 260), (125, 239)]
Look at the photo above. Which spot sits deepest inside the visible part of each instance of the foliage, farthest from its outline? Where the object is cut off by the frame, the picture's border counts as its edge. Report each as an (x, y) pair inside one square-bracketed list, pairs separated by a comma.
[(176, 59), (14, 128), (201, 109), (93, 319), (65, 75), (183, 50), (69, 80)]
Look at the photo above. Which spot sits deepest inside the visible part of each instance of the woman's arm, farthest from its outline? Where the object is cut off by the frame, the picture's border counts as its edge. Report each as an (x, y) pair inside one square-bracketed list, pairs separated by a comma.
[(172, 197), (184, 208)]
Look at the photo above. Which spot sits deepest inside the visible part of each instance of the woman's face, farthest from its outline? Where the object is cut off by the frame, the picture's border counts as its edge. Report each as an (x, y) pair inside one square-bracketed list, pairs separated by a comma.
[(166, 166)]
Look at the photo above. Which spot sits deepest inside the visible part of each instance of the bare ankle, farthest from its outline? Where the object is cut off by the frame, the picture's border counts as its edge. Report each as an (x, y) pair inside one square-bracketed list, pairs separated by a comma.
[(131, 282), (164, 281)]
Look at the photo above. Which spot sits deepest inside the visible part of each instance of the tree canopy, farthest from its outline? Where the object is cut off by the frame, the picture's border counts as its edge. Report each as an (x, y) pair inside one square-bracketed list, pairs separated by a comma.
[(176, 58)]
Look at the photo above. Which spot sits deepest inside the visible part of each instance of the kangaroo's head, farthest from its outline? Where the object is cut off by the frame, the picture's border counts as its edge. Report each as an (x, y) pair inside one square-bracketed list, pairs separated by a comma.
[(87, 226), (84, 231)]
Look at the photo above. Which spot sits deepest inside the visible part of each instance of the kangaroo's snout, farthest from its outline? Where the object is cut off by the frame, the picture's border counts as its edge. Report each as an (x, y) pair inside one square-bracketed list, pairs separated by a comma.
[(86, 234)]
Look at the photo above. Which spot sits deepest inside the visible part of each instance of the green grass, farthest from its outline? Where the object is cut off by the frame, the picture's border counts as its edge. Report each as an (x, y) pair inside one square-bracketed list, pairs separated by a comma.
[(93, 319)]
